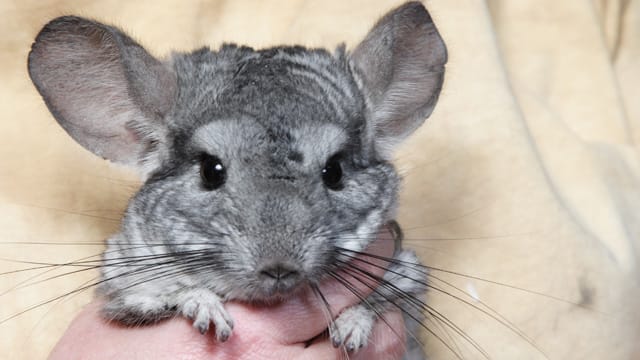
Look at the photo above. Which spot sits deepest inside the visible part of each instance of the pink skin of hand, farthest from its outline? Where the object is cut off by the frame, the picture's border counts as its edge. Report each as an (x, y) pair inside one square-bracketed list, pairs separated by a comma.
[(273, 332)]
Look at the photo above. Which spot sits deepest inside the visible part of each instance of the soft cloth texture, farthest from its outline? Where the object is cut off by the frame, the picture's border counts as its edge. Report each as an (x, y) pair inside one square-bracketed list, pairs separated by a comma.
[(526, 177)]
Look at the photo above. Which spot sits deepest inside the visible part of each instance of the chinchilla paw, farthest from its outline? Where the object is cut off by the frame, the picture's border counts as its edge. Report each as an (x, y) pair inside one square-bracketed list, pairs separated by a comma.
[(205, 307), (353, 327)]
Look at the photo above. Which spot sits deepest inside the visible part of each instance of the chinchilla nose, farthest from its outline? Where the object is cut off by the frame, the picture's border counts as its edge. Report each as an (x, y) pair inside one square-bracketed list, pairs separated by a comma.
[(279, 277), (280, 272)]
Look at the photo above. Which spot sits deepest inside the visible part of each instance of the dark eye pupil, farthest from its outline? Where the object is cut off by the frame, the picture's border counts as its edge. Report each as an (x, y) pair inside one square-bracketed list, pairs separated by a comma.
[(332, 174), (212, 172)]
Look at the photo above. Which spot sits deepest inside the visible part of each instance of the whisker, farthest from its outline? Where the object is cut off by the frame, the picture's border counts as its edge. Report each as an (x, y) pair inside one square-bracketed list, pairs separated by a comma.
[(70, 212), (328, 314), (137, 270), (493, 314), (407, 313), (415, 303), (451, 340), (433, 268), (363, 300), (45, 243)]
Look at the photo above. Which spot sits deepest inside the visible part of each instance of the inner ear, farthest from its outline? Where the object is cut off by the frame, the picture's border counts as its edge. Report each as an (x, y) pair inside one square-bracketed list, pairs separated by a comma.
[(401, 62), (103, 88)]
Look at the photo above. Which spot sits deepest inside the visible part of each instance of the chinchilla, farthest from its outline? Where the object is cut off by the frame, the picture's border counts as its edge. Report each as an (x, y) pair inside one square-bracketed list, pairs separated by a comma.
[(265, 170)]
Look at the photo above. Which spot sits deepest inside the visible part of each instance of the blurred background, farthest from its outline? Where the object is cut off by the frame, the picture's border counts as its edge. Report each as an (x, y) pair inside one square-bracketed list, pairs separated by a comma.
[(522, 190)]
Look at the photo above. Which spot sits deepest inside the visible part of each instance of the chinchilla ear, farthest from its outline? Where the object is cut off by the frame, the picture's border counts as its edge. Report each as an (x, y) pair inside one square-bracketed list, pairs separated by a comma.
[(401, 63), (102, 87)]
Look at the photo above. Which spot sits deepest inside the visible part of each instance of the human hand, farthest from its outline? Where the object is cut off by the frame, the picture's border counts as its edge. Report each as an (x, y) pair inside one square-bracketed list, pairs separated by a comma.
[(281, 331)]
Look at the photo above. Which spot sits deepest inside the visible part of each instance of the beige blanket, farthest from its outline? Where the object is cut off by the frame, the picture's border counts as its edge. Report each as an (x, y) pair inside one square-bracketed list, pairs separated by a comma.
[(525, 182)]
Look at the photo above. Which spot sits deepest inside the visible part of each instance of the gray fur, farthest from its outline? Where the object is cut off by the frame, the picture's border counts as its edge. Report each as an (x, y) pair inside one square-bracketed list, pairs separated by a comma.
[(274, 117)]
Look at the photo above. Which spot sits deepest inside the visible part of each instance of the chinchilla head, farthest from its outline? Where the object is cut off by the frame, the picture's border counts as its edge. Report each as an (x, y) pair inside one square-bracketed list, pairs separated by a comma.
[(271, 159)]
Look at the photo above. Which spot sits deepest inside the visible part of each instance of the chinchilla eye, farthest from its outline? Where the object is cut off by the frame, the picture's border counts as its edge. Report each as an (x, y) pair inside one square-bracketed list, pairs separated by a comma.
[(212, 172), (332, 173)]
